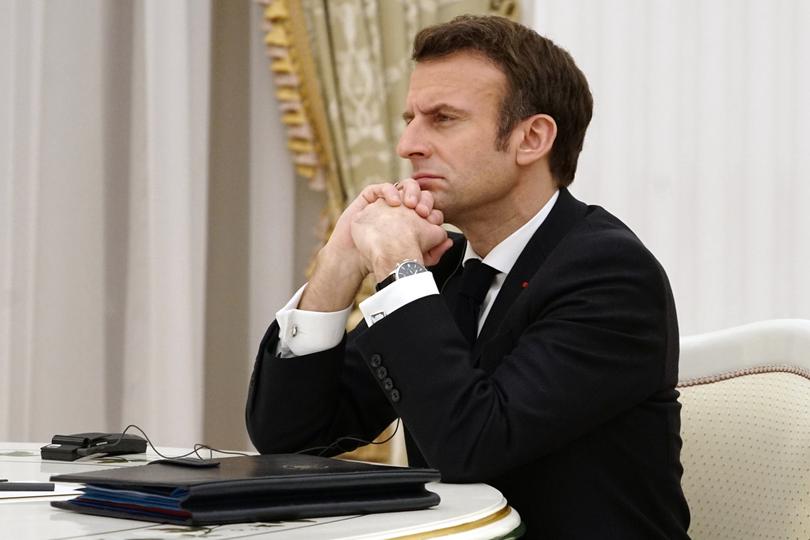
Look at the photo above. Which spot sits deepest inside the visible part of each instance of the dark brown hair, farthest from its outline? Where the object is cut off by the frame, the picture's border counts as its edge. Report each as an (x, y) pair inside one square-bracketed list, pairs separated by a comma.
[(541, 78)]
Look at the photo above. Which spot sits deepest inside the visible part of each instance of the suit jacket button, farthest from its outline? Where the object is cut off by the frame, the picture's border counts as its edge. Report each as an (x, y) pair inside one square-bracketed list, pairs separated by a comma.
[(376, 360), (388, 384), (394, 395), (382, 372)]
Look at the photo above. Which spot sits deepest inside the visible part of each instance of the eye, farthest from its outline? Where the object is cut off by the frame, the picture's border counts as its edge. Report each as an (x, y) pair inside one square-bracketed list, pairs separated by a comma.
[(442, 118)]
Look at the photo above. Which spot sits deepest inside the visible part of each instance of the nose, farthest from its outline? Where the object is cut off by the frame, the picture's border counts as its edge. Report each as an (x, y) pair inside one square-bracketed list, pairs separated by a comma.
[(413, 143)]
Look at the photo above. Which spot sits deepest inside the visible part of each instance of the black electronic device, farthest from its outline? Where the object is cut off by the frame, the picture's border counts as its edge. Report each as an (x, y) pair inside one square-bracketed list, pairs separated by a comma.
[(78, 445)]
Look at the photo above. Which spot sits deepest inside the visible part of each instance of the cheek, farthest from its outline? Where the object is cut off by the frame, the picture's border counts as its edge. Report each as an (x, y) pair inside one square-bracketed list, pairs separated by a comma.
[(471, 153), (485, 160), (473, 163)]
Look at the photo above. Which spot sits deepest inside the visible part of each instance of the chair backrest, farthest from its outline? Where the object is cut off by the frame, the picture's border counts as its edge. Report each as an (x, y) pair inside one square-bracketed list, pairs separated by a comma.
[(745, 425)]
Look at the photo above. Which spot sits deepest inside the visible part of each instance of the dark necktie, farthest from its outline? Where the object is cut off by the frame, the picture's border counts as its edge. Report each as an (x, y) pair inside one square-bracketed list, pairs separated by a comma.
[(476, 279)]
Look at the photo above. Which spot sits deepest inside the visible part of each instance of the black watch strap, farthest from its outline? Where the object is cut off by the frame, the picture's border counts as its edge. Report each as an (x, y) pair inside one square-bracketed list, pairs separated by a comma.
[(389, 279), (405, 268)]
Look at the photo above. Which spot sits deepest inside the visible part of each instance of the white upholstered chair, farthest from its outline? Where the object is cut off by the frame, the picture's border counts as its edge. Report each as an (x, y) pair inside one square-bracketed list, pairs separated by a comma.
[(746, 431)]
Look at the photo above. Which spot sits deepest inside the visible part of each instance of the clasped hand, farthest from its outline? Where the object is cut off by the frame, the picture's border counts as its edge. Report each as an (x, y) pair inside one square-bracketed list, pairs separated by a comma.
[(383, 226), (396, 224)]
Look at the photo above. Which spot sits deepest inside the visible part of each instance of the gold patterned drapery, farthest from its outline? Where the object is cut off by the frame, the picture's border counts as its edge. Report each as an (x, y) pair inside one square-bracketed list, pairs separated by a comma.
[(341, 72)]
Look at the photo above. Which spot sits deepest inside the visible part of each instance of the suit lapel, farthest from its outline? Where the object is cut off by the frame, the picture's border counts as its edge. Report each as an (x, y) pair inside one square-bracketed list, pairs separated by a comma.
[(567, 211)]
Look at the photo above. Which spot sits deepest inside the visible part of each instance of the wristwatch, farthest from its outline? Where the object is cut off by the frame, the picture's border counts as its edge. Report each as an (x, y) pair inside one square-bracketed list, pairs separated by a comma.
[(406, 268)]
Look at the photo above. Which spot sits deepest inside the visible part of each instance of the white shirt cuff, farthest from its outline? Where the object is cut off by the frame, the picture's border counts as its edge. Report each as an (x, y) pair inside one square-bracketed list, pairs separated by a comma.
[(397, 294), (306, 332)]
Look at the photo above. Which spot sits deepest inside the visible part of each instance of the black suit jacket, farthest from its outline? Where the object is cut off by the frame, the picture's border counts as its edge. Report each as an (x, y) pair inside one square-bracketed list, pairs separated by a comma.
[(567, 402)]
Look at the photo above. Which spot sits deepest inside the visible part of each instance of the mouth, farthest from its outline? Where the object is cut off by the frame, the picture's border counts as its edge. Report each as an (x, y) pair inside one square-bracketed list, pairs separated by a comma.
[(426, 179)]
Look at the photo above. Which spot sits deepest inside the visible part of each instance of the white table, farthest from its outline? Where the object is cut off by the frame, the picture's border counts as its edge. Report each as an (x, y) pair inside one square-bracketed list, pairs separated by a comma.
[(467, 511)]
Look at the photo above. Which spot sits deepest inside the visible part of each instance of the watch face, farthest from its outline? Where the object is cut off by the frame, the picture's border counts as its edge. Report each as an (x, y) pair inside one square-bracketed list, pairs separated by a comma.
[(409, 268)]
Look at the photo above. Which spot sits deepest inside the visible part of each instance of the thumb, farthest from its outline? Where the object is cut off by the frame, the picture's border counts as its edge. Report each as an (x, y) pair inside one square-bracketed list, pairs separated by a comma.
[(434, 254)]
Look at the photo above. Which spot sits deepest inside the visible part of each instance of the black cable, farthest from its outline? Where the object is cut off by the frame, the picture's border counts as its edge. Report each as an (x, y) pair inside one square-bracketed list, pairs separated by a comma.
[(195, 451), (198, 446), (324, 449)]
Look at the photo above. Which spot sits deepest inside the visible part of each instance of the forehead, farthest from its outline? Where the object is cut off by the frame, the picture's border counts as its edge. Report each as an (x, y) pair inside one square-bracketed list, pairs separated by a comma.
[(464, 80)]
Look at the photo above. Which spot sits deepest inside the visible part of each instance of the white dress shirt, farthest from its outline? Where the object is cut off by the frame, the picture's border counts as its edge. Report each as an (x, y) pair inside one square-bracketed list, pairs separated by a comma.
[(306, 332)]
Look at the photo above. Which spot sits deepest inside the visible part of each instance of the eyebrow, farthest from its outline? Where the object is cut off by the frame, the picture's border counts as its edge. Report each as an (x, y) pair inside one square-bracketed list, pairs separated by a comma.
[(408, 115)]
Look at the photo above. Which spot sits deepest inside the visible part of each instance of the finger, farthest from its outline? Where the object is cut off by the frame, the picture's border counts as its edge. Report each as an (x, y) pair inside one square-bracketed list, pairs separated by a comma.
[(425, 204), (431, 236), (387, 192), (367, 196), (391, 194), (436, 217), (371, 193), (409, 189), (435, 253)]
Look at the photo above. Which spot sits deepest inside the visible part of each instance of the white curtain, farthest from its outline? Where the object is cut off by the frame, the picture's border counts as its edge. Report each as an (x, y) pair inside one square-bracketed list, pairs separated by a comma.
[(107, 146), (700, 142)]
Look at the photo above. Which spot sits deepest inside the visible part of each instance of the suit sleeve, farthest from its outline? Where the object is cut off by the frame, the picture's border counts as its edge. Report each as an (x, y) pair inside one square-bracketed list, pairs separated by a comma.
[(312, 400), (578, 348)]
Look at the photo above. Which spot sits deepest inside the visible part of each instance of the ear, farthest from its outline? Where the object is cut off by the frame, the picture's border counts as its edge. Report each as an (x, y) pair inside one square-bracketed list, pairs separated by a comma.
[(537, 134)]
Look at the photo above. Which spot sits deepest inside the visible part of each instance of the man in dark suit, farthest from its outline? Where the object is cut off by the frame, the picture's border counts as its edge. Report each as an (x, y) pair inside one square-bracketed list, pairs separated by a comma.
[(539, 351)]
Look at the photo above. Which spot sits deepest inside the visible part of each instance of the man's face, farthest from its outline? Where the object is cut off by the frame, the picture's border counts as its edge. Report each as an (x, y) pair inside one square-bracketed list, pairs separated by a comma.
[(452, 112)]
